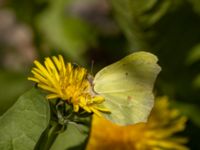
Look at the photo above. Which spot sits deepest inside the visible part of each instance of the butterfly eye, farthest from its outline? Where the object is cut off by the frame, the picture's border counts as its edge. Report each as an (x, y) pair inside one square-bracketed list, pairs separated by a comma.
[(75, 65)]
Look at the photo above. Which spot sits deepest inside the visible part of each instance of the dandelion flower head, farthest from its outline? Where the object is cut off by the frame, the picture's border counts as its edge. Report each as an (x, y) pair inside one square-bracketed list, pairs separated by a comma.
[(157, 134), (67, 82)]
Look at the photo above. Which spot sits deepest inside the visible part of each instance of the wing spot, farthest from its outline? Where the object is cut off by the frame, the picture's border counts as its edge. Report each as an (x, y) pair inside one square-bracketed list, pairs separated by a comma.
[(129, 98)]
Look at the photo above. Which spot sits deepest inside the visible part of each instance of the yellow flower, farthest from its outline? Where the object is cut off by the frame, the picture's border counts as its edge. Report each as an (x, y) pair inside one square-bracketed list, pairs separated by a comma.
[(156, 134), (67, 82)]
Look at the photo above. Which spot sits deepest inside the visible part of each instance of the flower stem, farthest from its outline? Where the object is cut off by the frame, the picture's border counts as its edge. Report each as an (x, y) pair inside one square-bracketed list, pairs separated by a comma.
[(48, 137), (51, 136)]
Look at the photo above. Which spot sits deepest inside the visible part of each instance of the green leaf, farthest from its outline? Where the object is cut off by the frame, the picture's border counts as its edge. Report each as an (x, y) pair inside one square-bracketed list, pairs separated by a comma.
[(73, 138), (22, 125), (15, 84)]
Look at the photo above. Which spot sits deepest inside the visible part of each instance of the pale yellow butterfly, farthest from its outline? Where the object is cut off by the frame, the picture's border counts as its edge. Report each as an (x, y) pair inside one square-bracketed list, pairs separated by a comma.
[(127, 86)]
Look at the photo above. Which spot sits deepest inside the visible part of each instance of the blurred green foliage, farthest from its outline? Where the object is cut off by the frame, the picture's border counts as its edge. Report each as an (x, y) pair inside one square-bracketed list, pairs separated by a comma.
[(103, 32), (72, 35), (170, 29), (12, 85)]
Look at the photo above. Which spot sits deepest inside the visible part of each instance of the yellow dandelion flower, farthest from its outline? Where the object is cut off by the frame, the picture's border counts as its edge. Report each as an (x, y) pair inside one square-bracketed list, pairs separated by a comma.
[(67, 82), (156, 134)]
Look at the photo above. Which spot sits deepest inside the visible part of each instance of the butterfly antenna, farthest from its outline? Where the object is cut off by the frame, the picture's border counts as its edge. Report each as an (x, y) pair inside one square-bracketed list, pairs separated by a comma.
[(92, 65)]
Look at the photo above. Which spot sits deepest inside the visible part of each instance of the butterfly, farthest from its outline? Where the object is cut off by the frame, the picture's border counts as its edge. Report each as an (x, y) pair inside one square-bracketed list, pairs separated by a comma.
[(127, 87)]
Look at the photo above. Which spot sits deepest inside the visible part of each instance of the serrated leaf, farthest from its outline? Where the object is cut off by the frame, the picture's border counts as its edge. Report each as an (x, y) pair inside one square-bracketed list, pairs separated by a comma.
[(22, 125)]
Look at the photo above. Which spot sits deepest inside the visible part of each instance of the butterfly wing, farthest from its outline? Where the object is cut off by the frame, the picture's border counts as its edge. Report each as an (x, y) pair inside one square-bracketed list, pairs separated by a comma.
[(127, 86)]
